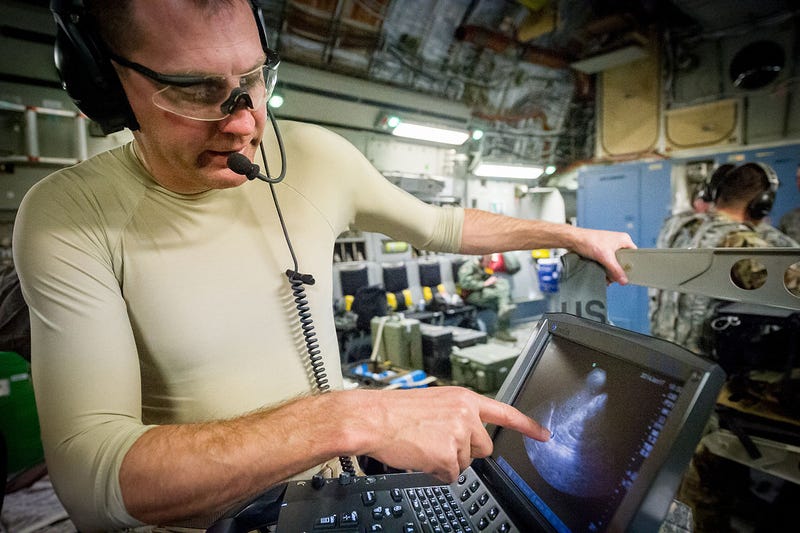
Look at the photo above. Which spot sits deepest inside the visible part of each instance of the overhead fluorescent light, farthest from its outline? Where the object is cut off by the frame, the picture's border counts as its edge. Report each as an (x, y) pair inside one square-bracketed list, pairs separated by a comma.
[(430, 133), (500, 170)]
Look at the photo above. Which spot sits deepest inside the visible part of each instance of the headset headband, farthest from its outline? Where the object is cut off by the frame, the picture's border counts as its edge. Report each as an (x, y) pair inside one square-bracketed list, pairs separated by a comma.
[(772, 176)]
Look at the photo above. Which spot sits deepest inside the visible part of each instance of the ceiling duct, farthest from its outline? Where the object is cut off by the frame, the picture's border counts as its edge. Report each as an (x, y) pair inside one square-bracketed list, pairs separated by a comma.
[(498, 42)]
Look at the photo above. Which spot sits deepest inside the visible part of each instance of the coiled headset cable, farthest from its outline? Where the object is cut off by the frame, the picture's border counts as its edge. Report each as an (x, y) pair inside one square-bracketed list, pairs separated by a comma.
[(241, 165)]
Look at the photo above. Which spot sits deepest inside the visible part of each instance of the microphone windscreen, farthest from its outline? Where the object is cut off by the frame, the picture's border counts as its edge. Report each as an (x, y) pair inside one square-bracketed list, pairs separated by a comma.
[(241, 165)]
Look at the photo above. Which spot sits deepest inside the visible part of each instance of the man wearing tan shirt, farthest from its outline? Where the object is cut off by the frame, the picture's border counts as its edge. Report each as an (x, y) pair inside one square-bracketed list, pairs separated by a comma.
[(170, 371)]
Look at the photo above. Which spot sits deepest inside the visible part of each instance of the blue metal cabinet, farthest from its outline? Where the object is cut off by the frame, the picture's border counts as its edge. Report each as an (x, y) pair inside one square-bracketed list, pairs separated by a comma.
[(629, 197)]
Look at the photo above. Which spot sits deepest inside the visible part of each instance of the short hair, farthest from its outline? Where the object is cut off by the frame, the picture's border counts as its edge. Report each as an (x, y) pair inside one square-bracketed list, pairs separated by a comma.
[(112, 19), (741, 185), (716, 178), (114, 22)]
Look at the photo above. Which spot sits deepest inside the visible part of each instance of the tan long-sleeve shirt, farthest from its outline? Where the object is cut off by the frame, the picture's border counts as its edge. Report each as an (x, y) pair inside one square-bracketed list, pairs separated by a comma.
[(151, 307)]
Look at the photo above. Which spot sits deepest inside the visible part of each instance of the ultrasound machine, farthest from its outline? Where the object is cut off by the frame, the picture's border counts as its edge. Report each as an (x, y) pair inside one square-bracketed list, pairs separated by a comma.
[(626, 411)]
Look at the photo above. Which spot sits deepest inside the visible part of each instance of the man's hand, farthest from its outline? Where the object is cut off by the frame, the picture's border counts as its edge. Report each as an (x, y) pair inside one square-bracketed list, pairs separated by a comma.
[(491, 280), (601, 246), (438, 430)]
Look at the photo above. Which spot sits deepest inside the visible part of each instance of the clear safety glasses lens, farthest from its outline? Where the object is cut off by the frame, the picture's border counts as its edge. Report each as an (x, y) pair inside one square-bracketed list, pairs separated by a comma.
[(216, 97)]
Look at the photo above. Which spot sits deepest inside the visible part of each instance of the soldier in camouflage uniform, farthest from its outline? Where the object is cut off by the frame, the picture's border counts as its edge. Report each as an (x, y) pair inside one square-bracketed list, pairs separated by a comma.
[(712, 483), (677, 232), (483, 289), (790, 222)]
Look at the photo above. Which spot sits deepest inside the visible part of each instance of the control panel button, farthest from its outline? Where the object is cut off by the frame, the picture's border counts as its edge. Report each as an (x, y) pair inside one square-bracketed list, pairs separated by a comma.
[(325, 522), (368, 498), (349, 519)]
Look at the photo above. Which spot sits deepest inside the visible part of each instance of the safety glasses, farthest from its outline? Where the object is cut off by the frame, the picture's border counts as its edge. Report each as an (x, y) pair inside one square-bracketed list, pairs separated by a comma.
[(211, 97)]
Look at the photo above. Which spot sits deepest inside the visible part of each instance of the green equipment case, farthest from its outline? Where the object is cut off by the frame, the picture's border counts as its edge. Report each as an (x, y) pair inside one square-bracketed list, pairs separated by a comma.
[(400, 342), (19, 420), (482, 367)]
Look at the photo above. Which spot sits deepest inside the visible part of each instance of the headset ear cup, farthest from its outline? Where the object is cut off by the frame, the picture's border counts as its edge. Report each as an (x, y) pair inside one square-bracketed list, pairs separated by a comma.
[(761, 205), (90, 79)]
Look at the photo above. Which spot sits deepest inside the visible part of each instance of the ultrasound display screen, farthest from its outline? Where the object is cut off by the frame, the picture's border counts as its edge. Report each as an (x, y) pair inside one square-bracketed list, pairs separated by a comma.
[(606, 415)]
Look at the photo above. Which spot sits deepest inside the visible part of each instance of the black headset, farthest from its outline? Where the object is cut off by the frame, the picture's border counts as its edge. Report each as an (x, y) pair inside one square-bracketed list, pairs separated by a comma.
[(761, 205), (86, 71)]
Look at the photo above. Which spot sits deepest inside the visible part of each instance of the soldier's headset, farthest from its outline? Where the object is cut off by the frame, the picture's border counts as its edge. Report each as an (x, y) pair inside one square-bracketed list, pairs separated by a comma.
[(86, 71), (761, 205)]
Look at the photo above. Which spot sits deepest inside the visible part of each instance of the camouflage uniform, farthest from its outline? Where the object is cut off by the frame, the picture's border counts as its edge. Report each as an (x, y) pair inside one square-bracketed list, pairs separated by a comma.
[(471, 276), (676, 232), (790, 224), (713, 485), (684, 323), (679, 228)]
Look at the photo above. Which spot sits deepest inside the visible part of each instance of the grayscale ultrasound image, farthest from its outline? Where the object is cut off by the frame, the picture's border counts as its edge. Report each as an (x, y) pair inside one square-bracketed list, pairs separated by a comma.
[(575, 461)]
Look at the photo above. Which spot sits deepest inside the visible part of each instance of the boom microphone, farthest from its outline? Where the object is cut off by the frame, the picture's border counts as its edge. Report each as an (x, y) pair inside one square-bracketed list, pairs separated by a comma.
[(241, 165)]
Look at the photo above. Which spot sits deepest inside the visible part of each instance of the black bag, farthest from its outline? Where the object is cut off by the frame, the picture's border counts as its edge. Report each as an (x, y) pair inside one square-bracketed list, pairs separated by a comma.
[(369, 302), (748, 338)]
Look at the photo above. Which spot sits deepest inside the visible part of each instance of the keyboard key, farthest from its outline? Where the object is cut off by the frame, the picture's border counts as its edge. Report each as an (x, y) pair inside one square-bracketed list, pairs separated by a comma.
[(325, 522), (368, 498), (348, 519)]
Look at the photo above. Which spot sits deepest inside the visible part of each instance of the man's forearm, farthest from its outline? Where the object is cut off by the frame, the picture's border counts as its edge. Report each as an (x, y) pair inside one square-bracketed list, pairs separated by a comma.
[(486, 232), (176, 472)]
